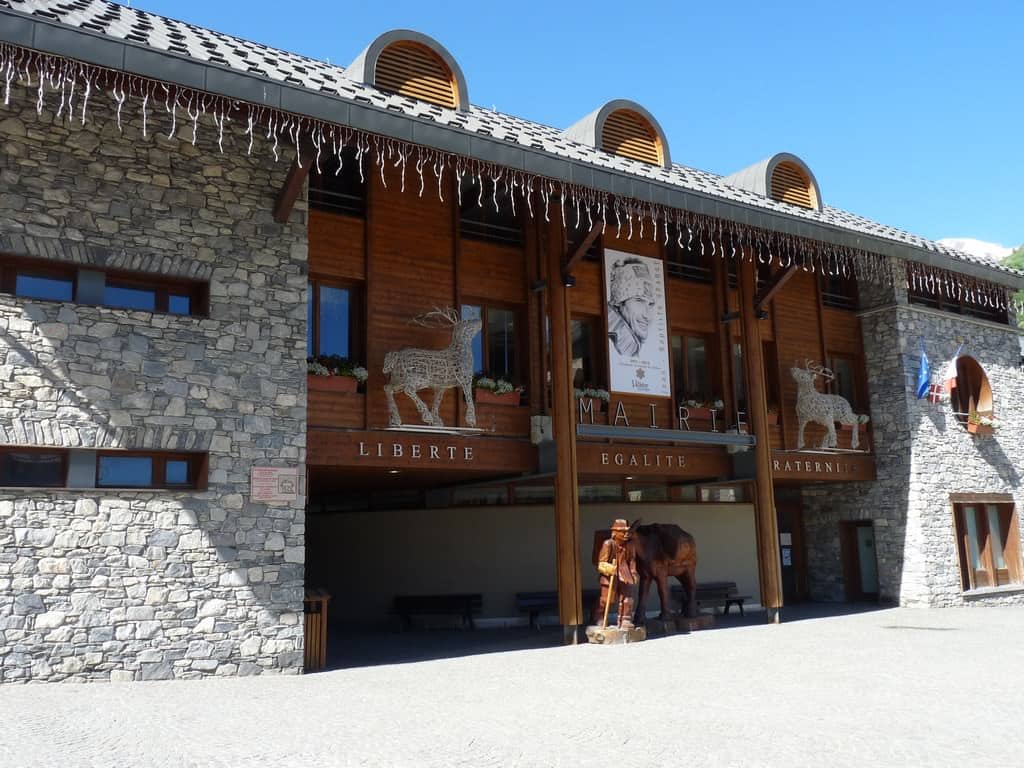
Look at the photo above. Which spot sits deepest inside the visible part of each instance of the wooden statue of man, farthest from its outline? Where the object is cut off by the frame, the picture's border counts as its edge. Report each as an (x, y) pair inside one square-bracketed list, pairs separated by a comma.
[(618, 558)]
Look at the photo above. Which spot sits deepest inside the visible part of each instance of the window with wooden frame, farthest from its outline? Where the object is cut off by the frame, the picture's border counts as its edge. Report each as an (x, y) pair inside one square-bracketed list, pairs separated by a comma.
[(497, 351), (486, 213), (772, 389), (33, 467), (154, 294), (988, 542), (334, 321), (692, 375), (141, 469), (921, 296), (37, 279), (588, 354), (847, 381), (972, 393), (339, 186), (689, 261), (838, 291)]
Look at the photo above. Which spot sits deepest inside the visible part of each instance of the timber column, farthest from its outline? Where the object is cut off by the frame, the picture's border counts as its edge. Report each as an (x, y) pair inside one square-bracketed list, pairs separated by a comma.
[(769, 569), (563, 403)]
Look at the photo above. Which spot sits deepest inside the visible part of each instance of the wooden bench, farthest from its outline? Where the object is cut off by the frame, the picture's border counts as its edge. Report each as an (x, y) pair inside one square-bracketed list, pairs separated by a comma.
[(716, 594), (465, 606), (536, 603)]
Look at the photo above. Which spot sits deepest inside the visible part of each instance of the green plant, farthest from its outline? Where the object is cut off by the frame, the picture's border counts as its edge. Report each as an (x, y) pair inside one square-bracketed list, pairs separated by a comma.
[(498, 385), (594, 393), (335, 365)]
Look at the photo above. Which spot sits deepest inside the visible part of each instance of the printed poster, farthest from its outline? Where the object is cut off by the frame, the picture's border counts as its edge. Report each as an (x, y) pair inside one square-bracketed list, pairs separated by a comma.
[(638, 346)]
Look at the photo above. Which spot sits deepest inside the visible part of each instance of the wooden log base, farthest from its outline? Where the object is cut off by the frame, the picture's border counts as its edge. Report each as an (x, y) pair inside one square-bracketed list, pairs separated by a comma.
[(614, 635), (680, 625)]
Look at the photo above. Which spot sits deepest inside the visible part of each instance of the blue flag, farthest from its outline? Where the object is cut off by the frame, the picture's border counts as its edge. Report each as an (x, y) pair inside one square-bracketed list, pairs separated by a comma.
[(924, 374)]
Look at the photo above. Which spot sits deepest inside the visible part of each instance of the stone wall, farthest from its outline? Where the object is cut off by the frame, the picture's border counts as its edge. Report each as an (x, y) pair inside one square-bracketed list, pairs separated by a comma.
[(923, 455), (151, 584)]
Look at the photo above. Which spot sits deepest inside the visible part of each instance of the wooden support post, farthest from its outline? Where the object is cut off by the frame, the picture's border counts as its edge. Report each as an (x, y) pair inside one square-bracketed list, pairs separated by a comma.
[(768, 564), (563, 422), (294, 181)]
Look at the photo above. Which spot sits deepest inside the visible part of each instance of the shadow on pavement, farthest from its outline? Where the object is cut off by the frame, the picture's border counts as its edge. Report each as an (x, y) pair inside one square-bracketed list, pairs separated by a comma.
[(350, 647)]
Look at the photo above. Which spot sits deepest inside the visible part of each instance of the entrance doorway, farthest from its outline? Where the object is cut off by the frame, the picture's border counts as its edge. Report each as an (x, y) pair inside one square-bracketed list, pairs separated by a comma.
[(860, 563), (791, 550)]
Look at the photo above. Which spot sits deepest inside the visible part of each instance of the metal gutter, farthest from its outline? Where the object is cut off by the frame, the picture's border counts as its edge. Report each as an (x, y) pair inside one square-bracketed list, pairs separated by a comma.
[(129, 56)]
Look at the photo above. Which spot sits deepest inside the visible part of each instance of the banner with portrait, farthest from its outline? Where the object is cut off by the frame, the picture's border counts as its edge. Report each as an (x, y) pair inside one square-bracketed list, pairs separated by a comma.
[(638, 346)]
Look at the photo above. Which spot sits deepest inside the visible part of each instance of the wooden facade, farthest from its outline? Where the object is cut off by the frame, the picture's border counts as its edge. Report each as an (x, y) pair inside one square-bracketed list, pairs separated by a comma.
[(408, 254)]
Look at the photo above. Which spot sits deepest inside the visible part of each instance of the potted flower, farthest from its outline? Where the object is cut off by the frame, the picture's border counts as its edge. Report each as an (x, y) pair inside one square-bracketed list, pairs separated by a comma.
[(496, 391), (862, 420), (702, 410), (981, 423), (334, 373), (773, 414), (589, 392)]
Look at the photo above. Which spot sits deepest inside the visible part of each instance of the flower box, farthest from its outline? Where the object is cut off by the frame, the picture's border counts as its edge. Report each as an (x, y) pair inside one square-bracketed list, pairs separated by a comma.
[(979, 429), (698, 413), (332, 383), (493, 398), (773, 418)]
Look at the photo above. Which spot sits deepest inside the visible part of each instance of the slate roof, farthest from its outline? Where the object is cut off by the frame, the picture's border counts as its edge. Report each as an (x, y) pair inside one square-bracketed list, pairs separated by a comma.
[(213, 48)]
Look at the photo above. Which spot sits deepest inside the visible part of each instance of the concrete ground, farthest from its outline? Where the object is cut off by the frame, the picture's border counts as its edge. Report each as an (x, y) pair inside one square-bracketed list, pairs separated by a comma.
[(897, 687)]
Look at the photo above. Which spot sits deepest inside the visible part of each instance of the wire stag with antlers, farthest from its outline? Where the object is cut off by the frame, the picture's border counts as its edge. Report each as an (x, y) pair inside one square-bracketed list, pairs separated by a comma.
[(414, 369), (820, 408)]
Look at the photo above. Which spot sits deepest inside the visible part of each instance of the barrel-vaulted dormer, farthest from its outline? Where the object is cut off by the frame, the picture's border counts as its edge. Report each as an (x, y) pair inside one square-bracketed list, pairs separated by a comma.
[(623, 127), (783, 177), (412, 64)]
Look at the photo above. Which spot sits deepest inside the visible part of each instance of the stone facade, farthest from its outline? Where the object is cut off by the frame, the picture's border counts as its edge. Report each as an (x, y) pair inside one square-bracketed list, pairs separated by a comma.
[(151, 584), (923, 455)]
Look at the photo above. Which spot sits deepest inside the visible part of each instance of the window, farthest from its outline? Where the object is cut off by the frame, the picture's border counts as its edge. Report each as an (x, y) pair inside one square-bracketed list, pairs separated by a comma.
[(839, 292), (988, 543), (478, 219), (845, 382), (495, 349), (587, 370), (628, 133), (789, 184), (739, 379), (38, 279), (691, 260), (339, 186), (149, 470), (333, 321), (133, 292), (412, 69), (770, 360), (690, 368), (29, 467), (972, 393)]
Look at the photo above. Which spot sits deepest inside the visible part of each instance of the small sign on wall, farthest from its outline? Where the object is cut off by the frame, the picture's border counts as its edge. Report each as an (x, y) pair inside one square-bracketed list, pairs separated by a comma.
[(274, 484)]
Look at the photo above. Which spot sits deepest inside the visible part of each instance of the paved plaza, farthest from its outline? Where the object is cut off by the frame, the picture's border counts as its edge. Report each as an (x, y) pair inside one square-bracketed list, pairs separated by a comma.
[(897, 687)]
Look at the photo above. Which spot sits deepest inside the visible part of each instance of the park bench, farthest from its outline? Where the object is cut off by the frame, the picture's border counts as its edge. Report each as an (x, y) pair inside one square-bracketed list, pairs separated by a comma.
[(535, 603), (714, 594), (464, 606)]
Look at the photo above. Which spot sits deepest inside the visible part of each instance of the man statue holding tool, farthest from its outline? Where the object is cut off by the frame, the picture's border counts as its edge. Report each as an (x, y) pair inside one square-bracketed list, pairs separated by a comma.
[(616, 564)]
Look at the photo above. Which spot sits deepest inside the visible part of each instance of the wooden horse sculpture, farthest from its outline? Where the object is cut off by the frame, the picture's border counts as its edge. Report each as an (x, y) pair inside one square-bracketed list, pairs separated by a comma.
[(414, 369), (665, 550)]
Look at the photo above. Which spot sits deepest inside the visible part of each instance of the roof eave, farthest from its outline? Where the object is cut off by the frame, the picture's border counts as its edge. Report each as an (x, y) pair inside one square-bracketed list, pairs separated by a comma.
[(129, 56)]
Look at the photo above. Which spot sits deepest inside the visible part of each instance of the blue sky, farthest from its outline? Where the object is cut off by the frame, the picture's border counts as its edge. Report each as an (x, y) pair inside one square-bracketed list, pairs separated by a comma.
[(909, 113)]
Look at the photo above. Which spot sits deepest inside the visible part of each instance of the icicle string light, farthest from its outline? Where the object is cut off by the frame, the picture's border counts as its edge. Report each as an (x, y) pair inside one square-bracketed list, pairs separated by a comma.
[(579, 206)]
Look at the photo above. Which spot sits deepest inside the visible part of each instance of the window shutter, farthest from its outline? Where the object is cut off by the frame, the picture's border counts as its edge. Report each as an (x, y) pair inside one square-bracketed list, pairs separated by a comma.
[(790, 185), (413, 70), (628, 134)]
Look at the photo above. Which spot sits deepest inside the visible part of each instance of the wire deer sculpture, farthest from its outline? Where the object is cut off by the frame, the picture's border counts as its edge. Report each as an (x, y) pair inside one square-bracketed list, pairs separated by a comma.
[(414, 369), (820, 408)]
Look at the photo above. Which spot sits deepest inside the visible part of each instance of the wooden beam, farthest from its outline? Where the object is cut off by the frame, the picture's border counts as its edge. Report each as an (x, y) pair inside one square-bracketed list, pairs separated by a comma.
[(765, 522), (563, 422), (778, 280), (581, 251), (292, 187)]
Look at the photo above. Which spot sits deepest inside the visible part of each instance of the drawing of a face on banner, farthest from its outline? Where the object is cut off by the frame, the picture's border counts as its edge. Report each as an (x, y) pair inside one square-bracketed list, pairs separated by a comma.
[(638, 351)]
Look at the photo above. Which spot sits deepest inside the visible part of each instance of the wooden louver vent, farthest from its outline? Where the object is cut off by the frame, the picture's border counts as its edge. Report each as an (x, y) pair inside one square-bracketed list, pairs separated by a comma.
[(791, 185), (628, 134), (413, 70)]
